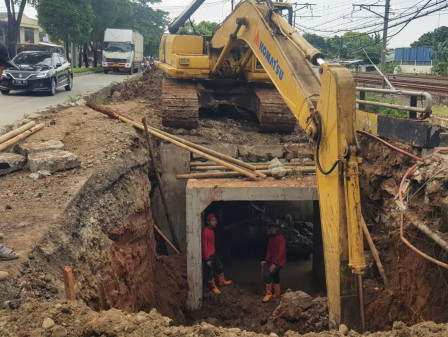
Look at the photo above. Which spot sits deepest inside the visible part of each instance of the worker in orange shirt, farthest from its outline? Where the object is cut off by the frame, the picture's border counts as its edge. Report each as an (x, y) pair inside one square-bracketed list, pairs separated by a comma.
[(275, 260), (213, 264)]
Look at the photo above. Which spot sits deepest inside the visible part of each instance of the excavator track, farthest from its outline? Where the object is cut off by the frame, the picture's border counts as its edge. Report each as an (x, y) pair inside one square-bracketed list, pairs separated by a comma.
[(272, 111), (180, 106)]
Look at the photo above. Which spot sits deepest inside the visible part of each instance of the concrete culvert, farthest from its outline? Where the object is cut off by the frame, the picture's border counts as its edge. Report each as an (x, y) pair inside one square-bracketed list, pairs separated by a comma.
[(98, 219)]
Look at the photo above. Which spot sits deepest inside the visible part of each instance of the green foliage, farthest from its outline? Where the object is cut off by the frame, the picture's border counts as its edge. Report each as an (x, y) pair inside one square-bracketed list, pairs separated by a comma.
[(84, 21), (66, 20), (202, 28), (440, 56), (349, 46), (72, 99), (85, 70), (428, 39), (96, 99), (383, 110)]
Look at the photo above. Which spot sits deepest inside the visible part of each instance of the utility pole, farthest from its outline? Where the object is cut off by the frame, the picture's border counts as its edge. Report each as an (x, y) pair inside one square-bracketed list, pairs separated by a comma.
[(386, 22), (305, 5)]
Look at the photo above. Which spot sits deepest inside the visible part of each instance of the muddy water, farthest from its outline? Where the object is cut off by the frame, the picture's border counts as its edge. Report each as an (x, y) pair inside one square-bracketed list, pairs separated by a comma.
[(246, 272)]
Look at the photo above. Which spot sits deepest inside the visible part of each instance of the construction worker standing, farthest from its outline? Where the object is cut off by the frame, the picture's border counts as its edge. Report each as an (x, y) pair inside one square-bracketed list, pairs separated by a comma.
[(275, 260), (213, 264)]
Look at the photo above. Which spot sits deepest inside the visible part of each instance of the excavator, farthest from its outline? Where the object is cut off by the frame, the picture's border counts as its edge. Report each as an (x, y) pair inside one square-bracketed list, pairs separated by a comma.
[(257, 60)]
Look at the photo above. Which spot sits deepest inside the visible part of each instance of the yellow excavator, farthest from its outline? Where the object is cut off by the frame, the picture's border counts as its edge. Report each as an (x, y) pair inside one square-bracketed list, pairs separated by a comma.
[(255, 44)]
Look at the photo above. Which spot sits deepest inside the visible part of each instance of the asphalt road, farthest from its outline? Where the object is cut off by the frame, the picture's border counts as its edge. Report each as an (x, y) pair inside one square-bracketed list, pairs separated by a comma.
[(19, 103)]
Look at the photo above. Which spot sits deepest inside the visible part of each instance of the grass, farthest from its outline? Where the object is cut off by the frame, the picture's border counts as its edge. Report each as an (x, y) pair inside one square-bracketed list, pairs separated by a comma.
[(96, 99), (84, 70), (440, 110), (72, 99), (383, 110)]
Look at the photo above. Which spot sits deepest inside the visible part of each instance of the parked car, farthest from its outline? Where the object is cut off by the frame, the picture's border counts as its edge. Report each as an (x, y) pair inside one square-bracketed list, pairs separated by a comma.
[(39, 71)]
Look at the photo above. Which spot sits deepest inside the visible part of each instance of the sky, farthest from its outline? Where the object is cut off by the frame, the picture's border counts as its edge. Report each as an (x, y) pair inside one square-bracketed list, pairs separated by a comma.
[(330, 17)]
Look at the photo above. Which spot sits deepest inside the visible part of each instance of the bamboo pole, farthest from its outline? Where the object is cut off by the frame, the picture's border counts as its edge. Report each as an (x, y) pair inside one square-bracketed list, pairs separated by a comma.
[(166, 239), (161, 188), (112, 114), (374, 251), (69, 285), (236, 174), (209, 163), (16, 132), (257, 167), (23, 135), (431, 234)]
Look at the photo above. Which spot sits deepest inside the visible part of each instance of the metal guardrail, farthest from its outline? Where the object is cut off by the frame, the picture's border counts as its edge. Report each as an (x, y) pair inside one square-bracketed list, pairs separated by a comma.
[(412, 108)]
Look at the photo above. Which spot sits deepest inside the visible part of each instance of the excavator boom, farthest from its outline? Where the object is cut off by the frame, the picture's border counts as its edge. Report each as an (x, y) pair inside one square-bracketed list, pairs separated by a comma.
[(325, 107)]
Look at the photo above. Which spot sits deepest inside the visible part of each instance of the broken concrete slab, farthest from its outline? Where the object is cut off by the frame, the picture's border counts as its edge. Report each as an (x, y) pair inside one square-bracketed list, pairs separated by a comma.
[(49, 145), (295, 150), (260, 153), (437, 120), (226, 149), (10, 162), (52, 161), (414, 132)]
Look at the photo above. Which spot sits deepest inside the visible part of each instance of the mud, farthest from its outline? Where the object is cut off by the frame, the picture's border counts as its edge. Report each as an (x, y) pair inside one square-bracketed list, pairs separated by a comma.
[(98, 220)]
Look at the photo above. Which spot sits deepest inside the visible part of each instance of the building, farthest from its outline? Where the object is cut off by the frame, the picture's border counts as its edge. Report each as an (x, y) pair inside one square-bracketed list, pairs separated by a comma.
[(31, 36), (414, 60)]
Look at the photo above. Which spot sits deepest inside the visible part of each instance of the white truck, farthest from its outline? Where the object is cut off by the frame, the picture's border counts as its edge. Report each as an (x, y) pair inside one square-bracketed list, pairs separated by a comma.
[(122, 50)]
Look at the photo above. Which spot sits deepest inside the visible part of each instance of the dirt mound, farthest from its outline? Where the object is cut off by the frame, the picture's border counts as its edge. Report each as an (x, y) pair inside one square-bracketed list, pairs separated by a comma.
[(300, 312), (417, 289)]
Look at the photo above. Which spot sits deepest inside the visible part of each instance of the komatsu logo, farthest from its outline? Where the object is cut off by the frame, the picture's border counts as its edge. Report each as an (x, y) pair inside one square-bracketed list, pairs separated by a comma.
[(273, 62)]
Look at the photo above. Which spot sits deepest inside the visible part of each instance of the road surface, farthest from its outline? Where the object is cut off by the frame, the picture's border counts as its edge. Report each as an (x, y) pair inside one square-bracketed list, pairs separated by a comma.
[(20, 103)]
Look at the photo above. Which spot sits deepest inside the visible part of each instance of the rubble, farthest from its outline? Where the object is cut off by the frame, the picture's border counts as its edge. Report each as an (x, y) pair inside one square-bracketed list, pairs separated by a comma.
[(11, 162)]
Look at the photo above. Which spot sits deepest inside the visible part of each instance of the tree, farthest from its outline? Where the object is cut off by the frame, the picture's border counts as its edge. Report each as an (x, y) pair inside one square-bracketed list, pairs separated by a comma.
[(202, 28), (428, 39), (148, 22), (349, 46), (317, 41), (66, 20), (14, 20), (107, 13), (440, 56)]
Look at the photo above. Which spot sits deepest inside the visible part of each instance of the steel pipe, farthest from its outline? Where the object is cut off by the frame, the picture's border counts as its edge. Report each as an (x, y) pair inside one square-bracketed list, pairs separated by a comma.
[(426, 95)]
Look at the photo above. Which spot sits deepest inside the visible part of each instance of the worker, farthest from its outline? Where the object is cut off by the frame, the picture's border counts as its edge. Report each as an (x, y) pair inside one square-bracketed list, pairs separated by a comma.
[(213, 264), (275, 260), (5, 62)]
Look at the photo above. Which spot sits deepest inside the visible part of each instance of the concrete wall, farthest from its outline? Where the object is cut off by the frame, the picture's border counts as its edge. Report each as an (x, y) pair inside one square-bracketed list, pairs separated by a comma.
[(174, 161)]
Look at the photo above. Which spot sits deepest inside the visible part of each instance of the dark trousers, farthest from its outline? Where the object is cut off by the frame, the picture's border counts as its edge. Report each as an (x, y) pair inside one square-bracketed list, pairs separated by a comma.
[(214, 268), (271, 276)]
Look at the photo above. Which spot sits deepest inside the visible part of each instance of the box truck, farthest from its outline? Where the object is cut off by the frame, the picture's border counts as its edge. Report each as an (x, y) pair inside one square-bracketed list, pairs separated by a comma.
[(122, 50)]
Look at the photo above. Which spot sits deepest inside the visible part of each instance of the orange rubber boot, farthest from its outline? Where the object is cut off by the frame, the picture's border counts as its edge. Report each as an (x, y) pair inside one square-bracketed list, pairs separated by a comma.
[(222, 281), (277, 290), (268, 293), (214, 288)]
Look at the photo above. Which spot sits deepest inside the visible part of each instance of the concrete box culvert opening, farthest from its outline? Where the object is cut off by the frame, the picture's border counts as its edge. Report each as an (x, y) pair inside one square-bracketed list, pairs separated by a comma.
[(201, 194), (241, 243)]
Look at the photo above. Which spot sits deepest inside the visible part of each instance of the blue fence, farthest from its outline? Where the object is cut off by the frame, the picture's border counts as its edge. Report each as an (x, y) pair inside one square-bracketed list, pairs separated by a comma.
[(414, 55)]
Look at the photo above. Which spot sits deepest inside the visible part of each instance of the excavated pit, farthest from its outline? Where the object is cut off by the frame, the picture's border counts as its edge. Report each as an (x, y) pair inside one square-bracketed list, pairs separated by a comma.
[(106, 235)]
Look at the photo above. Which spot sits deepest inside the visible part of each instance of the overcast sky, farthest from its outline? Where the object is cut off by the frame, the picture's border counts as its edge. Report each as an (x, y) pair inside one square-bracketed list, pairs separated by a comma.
[(329, 17)]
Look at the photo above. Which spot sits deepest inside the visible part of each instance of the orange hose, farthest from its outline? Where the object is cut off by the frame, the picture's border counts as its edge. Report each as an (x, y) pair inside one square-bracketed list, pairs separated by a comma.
[(419, 252), (400, 196), (390, 145)]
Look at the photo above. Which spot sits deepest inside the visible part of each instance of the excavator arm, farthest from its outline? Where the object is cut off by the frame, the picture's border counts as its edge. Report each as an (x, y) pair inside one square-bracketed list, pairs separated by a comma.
[(325, 108)]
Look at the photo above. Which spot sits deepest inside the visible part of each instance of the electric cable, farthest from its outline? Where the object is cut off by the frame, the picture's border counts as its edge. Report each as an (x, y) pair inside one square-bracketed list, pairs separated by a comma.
[(319, 139)]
